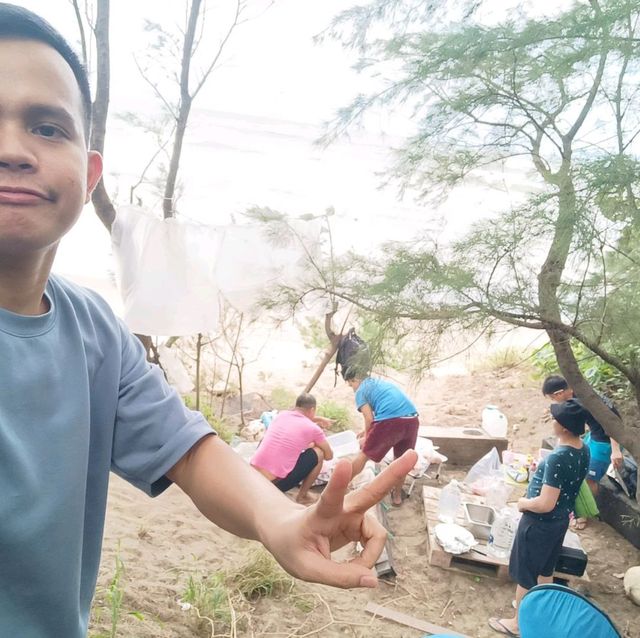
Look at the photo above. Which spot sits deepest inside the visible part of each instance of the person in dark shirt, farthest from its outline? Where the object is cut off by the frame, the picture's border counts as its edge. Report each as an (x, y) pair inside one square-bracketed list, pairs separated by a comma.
[(550, 499), (604, 449)]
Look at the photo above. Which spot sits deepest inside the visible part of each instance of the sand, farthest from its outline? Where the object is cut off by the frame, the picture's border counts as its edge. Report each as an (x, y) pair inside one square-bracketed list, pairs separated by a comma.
[(162, 541)]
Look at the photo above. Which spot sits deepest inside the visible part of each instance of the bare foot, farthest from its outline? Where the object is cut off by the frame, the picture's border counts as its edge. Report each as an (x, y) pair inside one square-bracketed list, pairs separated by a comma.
[(307, 499), (578, 523), (397, 497)]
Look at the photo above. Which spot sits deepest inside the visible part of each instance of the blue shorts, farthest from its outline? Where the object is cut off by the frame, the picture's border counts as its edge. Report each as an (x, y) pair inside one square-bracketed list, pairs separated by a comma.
[(597, 469)]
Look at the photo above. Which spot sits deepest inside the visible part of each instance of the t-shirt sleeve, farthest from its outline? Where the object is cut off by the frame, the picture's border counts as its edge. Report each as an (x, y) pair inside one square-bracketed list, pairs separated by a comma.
[(318, 434), (153, 428), (553, 472), (361, 396)]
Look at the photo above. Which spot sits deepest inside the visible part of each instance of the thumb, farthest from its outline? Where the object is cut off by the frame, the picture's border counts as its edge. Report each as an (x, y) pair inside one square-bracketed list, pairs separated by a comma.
[(345, 575)]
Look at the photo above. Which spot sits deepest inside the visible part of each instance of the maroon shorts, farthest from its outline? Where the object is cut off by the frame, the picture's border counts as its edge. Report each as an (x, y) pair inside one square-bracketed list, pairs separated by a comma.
[(399, 433)]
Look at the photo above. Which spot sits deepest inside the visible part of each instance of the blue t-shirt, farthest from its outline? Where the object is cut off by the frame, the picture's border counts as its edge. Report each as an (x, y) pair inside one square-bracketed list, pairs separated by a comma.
[(565, 468), (77, 399), (386, 399)]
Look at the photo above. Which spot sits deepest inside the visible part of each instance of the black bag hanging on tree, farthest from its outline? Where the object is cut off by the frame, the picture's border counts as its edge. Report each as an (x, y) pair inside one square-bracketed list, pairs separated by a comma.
[(353, 356)]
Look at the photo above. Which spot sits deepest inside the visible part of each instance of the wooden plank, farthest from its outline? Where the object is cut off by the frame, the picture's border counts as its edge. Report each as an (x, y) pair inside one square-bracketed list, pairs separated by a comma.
[(410, 621), (462, 445), (385, 564)]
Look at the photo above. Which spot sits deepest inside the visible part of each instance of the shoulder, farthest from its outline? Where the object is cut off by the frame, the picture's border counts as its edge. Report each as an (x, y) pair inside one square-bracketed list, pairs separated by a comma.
[(370, 384), (92, 314), (80, 297)]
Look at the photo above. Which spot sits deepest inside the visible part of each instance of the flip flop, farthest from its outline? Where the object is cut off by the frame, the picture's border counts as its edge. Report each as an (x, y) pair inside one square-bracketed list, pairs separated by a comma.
[(578, 524), (496, 625)]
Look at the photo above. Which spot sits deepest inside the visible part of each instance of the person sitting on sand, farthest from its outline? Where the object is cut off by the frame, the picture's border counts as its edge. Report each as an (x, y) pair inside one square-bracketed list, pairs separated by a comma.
[(390, 421), (78, 399), (294, 448), (603, 449), (551, 497)]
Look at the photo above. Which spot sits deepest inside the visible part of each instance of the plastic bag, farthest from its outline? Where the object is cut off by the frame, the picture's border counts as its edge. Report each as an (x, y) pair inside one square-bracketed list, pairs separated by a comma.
[(488, 465), (585, 506)]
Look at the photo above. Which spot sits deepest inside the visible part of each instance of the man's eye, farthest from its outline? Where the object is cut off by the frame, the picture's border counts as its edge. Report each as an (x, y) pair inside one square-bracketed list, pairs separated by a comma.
[(48, 130)]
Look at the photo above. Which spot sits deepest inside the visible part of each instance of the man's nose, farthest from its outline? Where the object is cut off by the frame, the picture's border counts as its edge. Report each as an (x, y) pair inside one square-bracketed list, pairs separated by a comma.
[(16, 150)]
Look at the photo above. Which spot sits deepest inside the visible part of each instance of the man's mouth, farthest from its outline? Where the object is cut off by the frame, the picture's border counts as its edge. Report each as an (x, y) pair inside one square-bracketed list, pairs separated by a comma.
[(19, 195)]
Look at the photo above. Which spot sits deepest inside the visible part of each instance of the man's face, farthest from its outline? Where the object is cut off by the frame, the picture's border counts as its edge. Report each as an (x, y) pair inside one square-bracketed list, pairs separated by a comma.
[(560, 396), (46, 173)]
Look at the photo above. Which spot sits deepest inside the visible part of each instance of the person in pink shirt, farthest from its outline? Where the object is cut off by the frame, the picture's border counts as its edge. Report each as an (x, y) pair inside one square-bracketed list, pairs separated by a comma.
[(294, 448)]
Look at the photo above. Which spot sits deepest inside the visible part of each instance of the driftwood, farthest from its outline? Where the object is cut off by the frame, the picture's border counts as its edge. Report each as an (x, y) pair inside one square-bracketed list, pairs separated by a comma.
[(410, 621)]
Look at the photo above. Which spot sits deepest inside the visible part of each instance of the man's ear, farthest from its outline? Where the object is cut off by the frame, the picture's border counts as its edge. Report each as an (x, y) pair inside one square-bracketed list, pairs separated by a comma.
[(94, 172)]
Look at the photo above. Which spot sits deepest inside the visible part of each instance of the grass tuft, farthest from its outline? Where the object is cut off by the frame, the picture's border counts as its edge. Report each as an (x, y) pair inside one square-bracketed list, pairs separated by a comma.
[(261, 576), (338, 413)]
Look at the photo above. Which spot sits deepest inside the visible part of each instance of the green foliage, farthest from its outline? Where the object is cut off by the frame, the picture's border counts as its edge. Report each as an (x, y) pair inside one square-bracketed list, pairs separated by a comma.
[(115, 594), (604, 377), (282, 399), (313, 334), (337, 412), (218, 424), (211, 597), (261, 576)]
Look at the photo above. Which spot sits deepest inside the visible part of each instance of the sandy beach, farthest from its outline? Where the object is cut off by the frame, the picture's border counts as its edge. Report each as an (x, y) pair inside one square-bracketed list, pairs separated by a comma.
[(162, 542)]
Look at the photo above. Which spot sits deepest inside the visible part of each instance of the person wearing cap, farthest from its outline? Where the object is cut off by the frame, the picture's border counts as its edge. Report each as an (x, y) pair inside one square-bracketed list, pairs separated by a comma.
[(603, 449), (550, 499)]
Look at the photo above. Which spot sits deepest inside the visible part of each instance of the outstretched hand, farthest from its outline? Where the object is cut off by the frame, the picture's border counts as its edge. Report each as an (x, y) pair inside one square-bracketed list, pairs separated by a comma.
[(303, 539)]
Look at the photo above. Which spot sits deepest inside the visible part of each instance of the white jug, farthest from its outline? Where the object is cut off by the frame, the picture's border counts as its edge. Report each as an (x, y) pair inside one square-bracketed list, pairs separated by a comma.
[(503, 533), (450, 500), (494, 422)]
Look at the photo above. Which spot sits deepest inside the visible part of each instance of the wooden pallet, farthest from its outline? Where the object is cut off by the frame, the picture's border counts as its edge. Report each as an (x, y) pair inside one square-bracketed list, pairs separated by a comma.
[(478, 561), (470, 562)]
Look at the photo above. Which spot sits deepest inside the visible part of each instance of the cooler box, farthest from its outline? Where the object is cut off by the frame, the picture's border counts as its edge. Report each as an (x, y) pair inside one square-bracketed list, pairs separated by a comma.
[(571, 561)]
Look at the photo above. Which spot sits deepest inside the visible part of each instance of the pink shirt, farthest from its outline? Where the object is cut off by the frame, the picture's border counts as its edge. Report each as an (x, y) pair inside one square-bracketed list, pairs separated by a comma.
[(289, 434)]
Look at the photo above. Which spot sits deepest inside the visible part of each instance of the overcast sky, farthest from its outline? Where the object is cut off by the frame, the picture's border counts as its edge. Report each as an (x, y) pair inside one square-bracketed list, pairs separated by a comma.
[(253, 127)]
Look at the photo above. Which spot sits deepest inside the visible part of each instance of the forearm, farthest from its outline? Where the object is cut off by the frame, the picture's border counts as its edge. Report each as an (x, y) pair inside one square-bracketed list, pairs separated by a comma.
[(536, 505), (615, 448), (228, 491)]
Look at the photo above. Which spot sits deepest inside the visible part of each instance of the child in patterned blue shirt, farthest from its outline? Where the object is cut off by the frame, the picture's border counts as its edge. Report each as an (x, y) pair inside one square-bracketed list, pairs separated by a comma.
[(550, 499)]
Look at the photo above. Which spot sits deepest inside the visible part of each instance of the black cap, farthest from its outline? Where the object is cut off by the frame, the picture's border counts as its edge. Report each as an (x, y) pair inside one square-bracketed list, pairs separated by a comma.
[(570, 415)]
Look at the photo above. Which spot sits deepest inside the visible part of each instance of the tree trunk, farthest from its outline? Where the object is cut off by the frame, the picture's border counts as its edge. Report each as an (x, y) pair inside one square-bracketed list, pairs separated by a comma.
[(548, 281), (198, 363), (334, 343), (100, 198), (168, 203)]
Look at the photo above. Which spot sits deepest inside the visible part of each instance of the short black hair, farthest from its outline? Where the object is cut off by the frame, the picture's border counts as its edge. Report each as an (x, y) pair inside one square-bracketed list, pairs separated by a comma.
[(18, 23), (554, 383), (306, 401)]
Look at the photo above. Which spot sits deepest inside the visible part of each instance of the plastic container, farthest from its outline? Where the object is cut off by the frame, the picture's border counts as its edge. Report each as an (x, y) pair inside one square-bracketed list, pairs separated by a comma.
[(494, 423), (449, 503), (479, 519), (503, 532)]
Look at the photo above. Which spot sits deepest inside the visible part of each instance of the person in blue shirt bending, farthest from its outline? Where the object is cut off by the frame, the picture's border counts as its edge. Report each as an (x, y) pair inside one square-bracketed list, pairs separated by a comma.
[(390, 421)]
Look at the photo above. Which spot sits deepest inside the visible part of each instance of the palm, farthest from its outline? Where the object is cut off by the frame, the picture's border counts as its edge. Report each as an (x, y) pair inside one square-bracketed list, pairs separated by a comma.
[(308, 537)]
